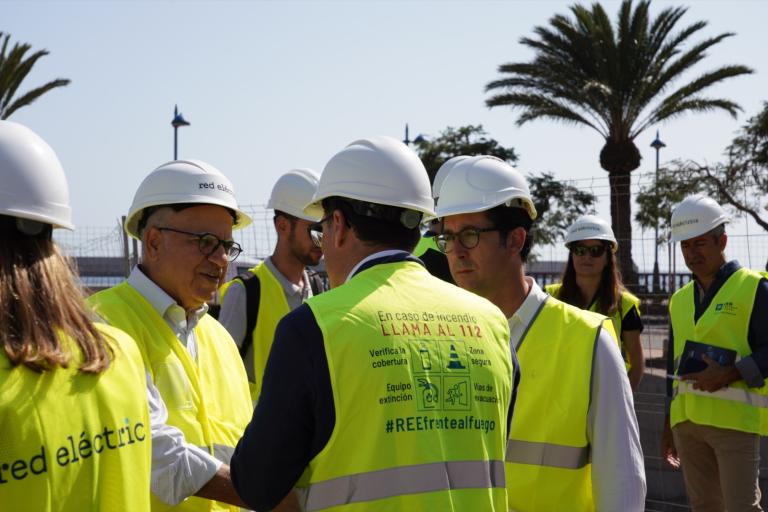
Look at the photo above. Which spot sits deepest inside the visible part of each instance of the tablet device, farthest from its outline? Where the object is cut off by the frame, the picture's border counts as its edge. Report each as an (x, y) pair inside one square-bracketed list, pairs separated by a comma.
[(691, 360)]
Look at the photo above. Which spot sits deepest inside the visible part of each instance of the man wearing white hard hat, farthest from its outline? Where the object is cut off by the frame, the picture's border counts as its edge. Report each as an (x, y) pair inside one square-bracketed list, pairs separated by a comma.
[(252, 304), (574, 443), (184, 213), (391, 391), (717, 359), (427, 251)]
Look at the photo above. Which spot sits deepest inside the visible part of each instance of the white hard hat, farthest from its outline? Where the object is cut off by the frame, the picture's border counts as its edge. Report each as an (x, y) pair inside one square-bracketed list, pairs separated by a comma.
[(479, 183), (180, 182), (293, 191), (443, 172), (34, 185), (379, 170), (591, 227), (694, 216)]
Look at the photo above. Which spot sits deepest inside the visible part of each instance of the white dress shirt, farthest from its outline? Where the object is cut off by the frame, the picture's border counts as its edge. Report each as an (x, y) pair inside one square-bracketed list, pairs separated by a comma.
[(233, 315), (179, 469), (618, 472)]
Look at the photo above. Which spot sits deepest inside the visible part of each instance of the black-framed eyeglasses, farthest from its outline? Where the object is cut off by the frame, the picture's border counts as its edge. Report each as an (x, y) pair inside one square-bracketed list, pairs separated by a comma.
[(316, 231), (594, 250), (208, 243), (467, 237)]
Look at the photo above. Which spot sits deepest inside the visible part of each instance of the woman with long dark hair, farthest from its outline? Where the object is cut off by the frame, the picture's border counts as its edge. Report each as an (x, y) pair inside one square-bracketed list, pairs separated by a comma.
[(592, 281), (74, 420)]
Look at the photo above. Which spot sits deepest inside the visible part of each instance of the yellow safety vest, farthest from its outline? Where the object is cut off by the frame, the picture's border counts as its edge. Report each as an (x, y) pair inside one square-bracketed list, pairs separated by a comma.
[(425, 244), (725, 324), (421, 375), (548, 456), (628, 301), (207, 399), (71, 441), (273, 306)]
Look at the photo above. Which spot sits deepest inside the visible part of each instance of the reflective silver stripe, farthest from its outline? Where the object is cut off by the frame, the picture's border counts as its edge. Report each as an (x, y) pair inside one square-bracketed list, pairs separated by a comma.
[(732, 394), (223, 453), (547, 454), (438, 476)]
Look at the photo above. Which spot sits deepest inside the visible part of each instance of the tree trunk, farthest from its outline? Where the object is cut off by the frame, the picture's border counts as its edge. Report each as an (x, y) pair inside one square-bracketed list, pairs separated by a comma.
[(621, 223), (620, 157)]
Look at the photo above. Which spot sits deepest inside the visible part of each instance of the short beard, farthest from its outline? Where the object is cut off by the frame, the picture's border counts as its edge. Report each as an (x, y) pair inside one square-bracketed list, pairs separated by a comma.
[(305, 258)]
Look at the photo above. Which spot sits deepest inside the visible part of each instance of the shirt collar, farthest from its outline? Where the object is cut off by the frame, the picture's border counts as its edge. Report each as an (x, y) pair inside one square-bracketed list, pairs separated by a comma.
[(723, 273), (289, 287), (527, 310), (161, 302), (381, 254)]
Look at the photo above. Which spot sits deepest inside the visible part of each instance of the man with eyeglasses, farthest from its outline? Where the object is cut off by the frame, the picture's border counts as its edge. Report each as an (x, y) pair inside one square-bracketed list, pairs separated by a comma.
[(574, 443), (184, 213), (393, 390), (254, 302)]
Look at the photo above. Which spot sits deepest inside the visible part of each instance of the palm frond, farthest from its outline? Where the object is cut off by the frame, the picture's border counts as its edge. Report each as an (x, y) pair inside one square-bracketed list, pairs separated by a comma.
[(32, 95), (15, 66), (535, 107), (610, 75), (20, 70)]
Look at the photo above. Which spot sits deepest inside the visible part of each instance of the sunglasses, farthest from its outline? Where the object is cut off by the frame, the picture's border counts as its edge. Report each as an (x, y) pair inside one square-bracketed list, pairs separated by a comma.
[(595, 250), (316, 232)]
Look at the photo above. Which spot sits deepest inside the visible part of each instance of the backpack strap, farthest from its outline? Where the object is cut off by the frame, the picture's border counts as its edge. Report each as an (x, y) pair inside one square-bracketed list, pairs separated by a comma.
[(252, 286), (316, 282)]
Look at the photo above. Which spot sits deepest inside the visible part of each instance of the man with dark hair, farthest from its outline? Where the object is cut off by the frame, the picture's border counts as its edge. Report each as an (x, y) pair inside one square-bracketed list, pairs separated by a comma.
[(389, 357), (253, 303), (718, 348), (574, 442)]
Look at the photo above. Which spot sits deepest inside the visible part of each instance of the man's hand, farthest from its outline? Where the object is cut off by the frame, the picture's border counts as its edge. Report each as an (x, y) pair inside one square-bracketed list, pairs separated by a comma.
[(220, 488), (714, 377), (668, 450)]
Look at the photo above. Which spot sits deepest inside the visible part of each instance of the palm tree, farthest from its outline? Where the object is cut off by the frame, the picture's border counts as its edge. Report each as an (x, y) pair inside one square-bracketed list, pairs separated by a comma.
[(15, 65), (618, 82)]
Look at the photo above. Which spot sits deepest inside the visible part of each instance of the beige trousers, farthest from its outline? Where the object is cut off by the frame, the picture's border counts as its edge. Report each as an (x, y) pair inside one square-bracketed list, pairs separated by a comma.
[(720, 467)]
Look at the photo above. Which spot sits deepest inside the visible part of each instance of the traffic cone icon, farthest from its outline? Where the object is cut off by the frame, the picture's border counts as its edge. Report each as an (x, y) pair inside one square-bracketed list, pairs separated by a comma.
[(455, 362)]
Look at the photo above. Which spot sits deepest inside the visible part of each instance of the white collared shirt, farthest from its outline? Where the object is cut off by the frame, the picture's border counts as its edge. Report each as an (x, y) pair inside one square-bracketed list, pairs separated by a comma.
[(618, 471), (179, 469), (234, 317), (175, 316)]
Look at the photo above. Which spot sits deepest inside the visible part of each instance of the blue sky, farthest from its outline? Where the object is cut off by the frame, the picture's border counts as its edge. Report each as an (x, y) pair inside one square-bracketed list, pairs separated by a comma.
[(270, 86)]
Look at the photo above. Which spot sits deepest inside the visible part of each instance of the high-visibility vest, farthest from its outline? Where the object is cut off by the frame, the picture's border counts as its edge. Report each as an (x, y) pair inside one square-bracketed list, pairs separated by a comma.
[(425, 243), (724, 324), (548, 456), (628, 301), (207, 399), (421, 374), (273, 306), (71, 441)]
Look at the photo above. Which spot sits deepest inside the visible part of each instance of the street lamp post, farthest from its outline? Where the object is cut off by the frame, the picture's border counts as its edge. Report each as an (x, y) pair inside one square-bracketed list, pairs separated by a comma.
[(407, 141), (178, 120), (657, 145)]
